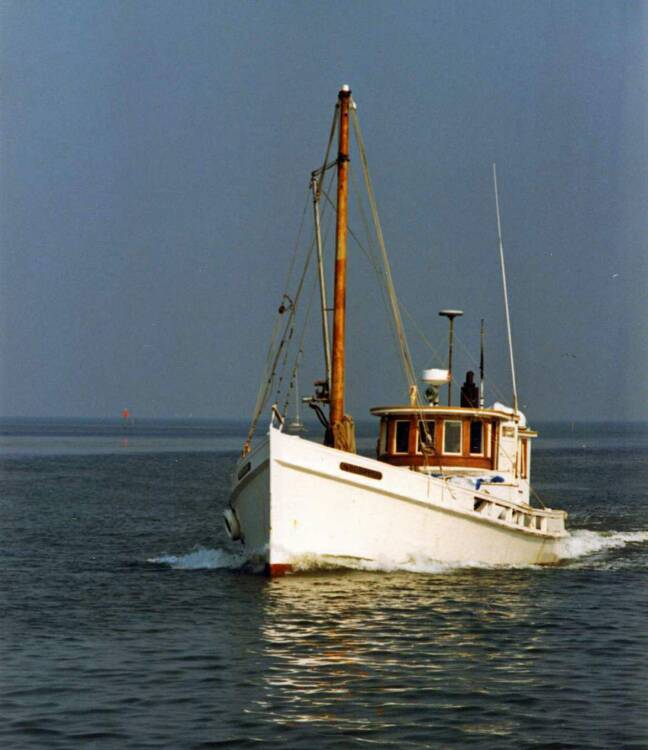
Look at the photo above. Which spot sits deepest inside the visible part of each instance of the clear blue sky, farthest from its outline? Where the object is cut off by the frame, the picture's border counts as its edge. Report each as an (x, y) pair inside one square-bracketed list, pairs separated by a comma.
[(154, 162)]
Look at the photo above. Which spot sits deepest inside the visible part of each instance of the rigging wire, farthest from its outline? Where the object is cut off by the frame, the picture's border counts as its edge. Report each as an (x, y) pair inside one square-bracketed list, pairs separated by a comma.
[(300, 350), (420, 332), (297, 244), (374, 261), (372, 255), (277, 326), (506, 304), (398, 322), (273, 356), (471, 358), (406, 358), (325, 163), (327, 228)]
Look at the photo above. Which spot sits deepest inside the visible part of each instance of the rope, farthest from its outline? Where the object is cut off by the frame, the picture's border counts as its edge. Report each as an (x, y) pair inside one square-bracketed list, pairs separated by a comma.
[(374, 261), (325, 164), (372, 256), (419, 330), (300, 350), (274, 356), (406, 357), (506, 303), (297, 244)]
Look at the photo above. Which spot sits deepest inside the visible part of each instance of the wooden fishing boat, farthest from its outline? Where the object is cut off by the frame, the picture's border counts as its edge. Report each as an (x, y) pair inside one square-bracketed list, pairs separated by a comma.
[(448, 483)]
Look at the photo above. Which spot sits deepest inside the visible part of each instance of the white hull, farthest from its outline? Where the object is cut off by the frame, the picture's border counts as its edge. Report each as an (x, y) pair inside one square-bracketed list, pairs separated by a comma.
[(295, 502)]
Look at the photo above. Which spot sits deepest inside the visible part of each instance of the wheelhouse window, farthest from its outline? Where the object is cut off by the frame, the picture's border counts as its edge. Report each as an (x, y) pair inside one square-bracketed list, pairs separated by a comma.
[(426, 436), (401, 436), (452, 436), (476, 437)]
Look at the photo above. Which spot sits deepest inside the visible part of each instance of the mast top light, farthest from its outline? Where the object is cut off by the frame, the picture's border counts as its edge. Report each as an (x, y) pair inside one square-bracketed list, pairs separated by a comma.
[(451, 313)]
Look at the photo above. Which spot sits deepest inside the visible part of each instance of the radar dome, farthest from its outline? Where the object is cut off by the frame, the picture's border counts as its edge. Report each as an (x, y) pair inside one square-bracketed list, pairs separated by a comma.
[(435, 376)]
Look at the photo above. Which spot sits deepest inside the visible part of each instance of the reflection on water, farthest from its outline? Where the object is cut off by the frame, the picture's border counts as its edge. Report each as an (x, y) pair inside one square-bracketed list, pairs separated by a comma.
[(472, 658), (367, 652)]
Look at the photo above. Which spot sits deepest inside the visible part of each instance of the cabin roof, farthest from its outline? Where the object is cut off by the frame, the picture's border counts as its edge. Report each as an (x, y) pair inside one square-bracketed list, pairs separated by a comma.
[(440, 411)]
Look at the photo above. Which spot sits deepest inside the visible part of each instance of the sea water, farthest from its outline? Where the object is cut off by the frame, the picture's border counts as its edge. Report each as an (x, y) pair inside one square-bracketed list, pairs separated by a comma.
[(128, 620)]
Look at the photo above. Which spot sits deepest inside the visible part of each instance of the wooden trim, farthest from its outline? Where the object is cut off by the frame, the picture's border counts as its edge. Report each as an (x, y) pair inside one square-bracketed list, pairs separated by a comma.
[(438, 436), (465, 437), (439, 461), (441, 411), (412, 443), (360, 470), (414, 457)]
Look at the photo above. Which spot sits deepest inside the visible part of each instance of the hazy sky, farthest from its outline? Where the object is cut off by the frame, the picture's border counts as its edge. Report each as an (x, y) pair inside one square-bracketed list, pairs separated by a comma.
[(154, 164)]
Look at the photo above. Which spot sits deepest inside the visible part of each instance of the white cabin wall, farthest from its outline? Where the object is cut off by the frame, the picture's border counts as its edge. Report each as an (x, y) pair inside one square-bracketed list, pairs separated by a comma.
[(507, 451)]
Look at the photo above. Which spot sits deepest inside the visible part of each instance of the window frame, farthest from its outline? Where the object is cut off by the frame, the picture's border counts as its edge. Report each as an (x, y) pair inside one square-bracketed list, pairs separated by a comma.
[(433, 423), (482, 441), (443, 449), (396, 422)]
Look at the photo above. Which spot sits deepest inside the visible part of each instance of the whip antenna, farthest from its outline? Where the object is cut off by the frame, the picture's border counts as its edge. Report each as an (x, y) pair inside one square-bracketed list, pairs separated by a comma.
[(481, 365)]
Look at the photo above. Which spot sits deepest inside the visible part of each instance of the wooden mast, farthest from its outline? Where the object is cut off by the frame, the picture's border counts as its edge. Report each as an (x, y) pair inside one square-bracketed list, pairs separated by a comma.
[(339, 299)]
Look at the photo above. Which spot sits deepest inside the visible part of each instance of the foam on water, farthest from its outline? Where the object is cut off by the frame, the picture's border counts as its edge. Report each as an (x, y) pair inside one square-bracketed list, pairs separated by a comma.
[(583, 542), (580, 544), (312, 563), (202, 559), (415, 563)]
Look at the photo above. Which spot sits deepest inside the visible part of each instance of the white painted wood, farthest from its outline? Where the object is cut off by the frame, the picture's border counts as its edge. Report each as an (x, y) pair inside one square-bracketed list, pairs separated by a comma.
[(295, 503)]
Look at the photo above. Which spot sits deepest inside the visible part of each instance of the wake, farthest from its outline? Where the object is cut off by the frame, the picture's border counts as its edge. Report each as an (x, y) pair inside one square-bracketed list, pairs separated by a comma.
[(202, 559), (578, 546), (582, 542)]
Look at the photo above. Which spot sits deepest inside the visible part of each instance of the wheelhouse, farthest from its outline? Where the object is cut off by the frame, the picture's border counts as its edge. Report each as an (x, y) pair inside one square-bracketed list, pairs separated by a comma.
[(433, 437)]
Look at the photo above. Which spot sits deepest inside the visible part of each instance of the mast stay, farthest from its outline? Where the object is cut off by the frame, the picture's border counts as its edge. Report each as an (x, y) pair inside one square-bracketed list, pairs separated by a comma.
[(506, 302), (340, 427), (406, 356)]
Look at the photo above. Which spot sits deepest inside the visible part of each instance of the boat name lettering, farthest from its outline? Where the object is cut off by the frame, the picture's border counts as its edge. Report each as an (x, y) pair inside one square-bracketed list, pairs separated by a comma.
[(360, 470)]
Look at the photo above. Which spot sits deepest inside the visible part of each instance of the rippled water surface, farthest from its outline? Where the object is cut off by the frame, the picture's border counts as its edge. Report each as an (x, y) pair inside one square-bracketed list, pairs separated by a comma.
[(128, 620)]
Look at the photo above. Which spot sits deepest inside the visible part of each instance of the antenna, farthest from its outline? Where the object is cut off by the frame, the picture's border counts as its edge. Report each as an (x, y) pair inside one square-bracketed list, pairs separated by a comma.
[(450, 315), (481, 365), (506, 304)]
